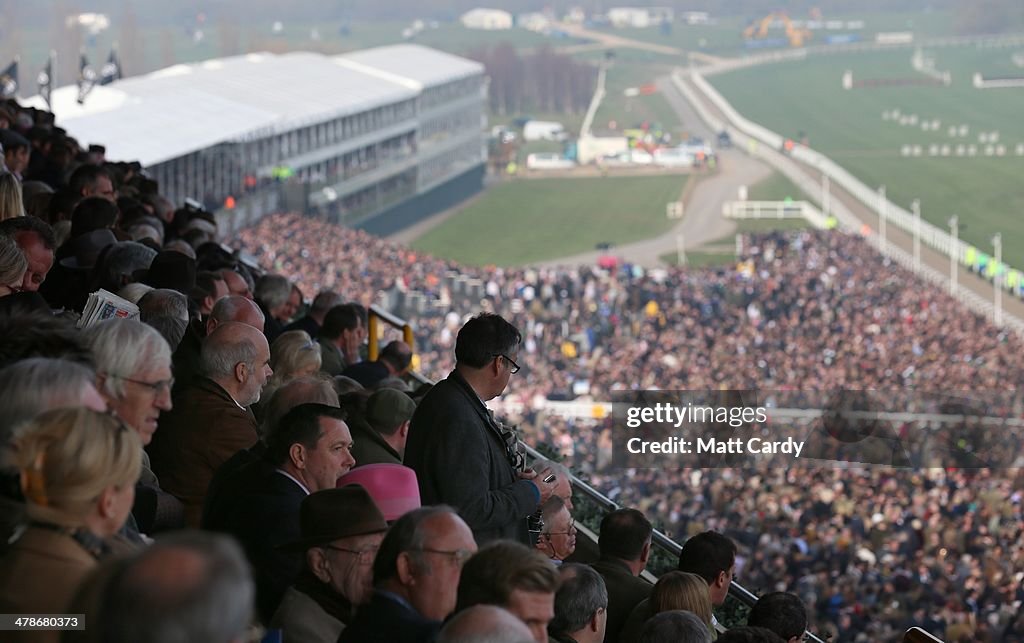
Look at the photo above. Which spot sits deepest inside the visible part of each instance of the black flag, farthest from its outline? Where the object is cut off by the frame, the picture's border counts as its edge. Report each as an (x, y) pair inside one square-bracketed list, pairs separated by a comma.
[(45, 81), (112, 70), (86, 79), (9, 80)]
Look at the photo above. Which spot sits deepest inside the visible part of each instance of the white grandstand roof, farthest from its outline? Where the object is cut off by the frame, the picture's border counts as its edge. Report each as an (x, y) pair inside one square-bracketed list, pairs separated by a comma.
[(187, 108), (422, 65)]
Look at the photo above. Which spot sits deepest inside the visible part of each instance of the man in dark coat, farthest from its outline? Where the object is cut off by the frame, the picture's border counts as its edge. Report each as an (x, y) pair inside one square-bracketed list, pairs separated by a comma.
[(259, 504), (232, 308), (625, 544), (461, 455), (211, 420), (415, 578)]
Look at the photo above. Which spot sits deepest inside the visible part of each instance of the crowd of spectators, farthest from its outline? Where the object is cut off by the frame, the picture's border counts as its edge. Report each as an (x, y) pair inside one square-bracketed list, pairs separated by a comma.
[(805, 311), (223, 420)]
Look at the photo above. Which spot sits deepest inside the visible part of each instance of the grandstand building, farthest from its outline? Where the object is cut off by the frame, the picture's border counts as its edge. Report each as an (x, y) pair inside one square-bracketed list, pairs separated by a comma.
[(374, 138)]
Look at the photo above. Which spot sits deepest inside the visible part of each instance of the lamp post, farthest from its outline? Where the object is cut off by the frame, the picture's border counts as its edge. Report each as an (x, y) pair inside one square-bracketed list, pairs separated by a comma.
[(997, 241), (915, 207), (954, 228)]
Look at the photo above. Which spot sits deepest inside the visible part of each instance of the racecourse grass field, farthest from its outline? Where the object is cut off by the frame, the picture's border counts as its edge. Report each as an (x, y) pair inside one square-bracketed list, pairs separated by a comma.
[(848, 126), (522, 221)]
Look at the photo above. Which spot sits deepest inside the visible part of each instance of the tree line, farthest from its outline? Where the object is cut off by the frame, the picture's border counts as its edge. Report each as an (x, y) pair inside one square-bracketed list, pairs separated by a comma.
[(539, 81)]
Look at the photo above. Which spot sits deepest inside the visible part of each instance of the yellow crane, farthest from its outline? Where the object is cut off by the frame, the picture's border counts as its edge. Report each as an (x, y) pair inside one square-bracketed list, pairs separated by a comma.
[(759, 29)]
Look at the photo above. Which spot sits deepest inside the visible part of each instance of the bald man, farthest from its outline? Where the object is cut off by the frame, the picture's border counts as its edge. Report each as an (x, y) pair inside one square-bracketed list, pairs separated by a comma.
[(211, 420), (485, 623), (233, 308), (170, 591)]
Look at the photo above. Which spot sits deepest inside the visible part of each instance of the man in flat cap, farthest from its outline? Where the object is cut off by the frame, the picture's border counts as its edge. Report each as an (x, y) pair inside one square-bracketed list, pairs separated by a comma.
[(380, 434), (341, 532)]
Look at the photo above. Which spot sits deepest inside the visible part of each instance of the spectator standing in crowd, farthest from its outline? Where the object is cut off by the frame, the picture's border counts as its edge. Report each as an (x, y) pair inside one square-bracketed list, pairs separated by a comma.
[(581, 606), (625, 546), (189, 586), (11, 204), (276, 299), (37, 243), (781, 612), (748, 634), (233, 308), (17, 151), (339, 338), (511, 575), (381, 432), (210, 288), (711, 556), (314, 318), (460, 453), (120, 263), (676, 626), (133, 364), (211, 419), (78, 470), (674, 591), (12, 267), (293, 354), (342, 530), (485, 624), (237, 284), (307, 451), (393, 361), (415, 578), (557, 539), (92, 181)]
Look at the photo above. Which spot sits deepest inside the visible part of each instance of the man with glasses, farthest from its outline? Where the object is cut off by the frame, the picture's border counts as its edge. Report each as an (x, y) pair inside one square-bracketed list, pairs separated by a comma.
[(557, 538), (415, 578), (462, 456), (342, 530)]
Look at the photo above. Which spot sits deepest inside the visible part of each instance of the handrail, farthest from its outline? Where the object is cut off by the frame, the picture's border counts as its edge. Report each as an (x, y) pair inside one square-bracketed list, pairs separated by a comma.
[(918, 635), (736, 590), (659, 539), (376, 315)]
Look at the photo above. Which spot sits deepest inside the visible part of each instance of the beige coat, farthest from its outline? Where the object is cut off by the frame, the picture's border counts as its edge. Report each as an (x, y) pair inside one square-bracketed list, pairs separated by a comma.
[(39, 574), (302, 620)]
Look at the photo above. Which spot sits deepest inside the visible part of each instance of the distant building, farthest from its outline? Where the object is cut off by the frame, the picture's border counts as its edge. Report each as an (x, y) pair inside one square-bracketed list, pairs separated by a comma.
[(639, 17), (489, 19), (533, 22), (695, 17)]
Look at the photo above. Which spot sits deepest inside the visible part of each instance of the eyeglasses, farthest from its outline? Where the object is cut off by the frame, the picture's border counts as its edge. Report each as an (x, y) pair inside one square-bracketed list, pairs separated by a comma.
[(569, 531), (365, 556), (514, 367), (156, 387), (458, 556)]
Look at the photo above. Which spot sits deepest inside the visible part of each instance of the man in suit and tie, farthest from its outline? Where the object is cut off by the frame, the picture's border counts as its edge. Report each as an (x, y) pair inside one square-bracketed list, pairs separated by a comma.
[(307, 451), (416, 578)]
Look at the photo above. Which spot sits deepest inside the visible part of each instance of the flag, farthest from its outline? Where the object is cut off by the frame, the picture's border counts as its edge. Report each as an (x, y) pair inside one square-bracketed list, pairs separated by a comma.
[(9, 80), (45, 81), (112, 70), (86, 79)]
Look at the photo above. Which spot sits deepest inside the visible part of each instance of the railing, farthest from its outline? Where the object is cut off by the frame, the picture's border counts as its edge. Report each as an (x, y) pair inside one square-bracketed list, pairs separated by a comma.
[(917, 635), (775, 210), (376, 316), (743, 129)]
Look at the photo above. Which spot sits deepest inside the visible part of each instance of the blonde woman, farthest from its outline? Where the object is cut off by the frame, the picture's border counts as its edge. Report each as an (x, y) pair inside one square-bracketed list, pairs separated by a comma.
[(12, 267), (293, 354), (78, 471), (673, 591), (11, 203)]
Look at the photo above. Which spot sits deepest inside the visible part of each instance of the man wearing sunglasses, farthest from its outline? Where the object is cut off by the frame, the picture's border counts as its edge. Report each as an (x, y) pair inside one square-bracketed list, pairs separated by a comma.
[(462, 456)]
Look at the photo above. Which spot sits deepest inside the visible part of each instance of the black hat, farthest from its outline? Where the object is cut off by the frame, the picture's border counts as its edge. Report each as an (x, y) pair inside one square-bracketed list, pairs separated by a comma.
[(328, 515), (86, 249), (172, 270)]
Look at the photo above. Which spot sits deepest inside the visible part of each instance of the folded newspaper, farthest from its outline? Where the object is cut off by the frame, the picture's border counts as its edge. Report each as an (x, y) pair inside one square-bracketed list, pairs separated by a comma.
[(106, 305)]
